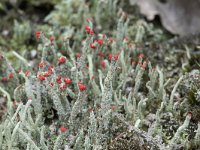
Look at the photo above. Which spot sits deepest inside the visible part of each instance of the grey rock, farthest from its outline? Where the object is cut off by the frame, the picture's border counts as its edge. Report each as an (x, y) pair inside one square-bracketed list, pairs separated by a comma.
[(181, 17)]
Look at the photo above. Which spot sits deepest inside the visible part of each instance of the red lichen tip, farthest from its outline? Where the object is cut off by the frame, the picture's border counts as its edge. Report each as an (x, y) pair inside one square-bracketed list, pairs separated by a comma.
[(113, 107), (116, 57), (41, 77), (52, 39), (90, 109), (62, 60), (103, 64), (88, 19), (27, 73), (63, 129), (141, 56), (101, 54), (81, 87), (37, 34), (87, 29), (78, 55), (58, 80), (41, 64), (67, 80), (5, 79), (11, 75), (93, 46), (46, 74), (92, 77), (110, 56), (91, 32), (64, 86), (51, 83), (100, 41), (189, 114)]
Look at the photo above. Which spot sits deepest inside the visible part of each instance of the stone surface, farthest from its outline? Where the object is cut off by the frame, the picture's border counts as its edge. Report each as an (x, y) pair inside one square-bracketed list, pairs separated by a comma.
[(181, 17)]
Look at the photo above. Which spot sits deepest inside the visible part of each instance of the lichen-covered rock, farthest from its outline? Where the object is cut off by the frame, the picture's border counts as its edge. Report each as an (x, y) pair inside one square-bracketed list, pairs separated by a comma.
[(191, 84)]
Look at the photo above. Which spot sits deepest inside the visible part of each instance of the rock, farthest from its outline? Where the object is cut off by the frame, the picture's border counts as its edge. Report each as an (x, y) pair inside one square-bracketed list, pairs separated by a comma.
[(181, 17)]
